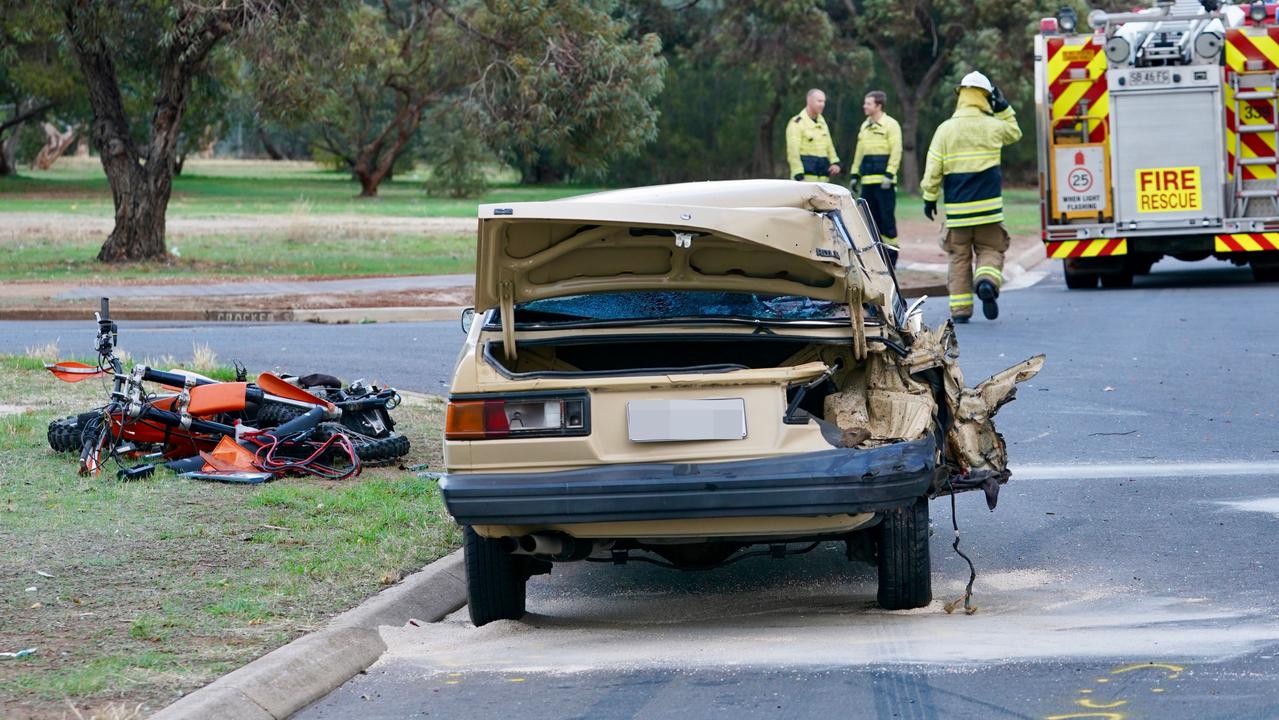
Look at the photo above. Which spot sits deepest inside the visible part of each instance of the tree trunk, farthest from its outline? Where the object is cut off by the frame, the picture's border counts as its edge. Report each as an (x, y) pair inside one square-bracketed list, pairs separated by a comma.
[(369, 180), (9, 153), (909, 175), (540, 172), (762, 159), (56, 143), (373, 164), (140, 198), (271, 150), (26, 109), (141, 178)]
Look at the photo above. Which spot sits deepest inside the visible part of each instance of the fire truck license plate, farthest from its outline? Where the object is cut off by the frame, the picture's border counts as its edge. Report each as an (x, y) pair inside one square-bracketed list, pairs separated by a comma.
[(1138, 78)]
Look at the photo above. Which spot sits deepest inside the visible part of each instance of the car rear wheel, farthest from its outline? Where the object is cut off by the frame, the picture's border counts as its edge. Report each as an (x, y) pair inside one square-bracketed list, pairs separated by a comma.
[(905, 574), (495, 580)]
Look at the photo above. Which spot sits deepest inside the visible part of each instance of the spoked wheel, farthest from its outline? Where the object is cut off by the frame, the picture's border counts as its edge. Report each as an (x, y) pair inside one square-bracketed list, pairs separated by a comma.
[(495, 580), (905, 572)]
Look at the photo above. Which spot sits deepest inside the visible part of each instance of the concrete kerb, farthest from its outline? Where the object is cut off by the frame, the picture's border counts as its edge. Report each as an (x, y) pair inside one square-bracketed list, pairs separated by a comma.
[(288, 679)]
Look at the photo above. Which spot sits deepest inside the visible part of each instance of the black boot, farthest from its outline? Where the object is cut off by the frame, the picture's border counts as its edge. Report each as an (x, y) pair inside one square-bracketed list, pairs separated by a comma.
[(987, 291)]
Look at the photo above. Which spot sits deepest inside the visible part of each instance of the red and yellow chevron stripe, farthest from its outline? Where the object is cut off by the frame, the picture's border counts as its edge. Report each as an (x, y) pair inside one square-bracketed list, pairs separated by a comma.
[(1077, 72), (1104, 247), (1246, 242), (1261, 46)]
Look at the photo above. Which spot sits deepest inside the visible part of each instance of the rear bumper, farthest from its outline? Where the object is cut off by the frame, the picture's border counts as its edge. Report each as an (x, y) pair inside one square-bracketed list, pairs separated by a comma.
[(821, 483)]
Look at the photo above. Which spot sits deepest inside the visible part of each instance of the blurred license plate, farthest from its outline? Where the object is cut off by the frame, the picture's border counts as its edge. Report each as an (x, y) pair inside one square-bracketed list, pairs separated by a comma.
[(676, 420), (1149, 77)]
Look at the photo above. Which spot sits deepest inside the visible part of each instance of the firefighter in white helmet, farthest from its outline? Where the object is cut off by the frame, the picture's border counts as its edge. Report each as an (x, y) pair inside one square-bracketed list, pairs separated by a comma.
[(963, 166)]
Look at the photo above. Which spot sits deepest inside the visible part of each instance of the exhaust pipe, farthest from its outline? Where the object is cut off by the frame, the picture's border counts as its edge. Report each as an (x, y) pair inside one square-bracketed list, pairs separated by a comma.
[(557, 546)]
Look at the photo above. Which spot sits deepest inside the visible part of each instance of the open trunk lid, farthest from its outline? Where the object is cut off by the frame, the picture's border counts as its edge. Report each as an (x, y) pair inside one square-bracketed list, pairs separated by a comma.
[(759, 236)]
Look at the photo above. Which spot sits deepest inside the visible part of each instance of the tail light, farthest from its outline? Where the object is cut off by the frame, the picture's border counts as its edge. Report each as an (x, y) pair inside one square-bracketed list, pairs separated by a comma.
[(520, 416)]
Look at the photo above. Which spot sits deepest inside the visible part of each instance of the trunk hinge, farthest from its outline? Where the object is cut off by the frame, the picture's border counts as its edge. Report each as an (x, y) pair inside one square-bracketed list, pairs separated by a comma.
[(506, 303), (857, 317)]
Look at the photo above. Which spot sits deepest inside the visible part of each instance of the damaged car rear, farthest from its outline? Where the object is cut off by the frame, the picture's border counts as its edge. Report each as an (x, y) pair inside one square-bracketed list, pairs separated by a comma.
[(691, 374)]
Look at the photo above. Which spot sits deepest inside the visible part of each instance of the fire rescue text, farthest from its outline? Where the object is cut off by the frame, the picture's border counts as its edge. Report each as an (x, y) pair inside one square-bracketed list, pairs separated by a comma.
[(1174, 189)]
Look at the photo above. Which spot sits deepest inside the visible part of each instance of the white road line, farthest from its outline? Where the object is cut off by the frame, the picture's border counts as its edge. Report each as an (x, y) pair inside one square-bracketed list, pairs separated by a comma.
[(924, 267), (1128, 470), (1024, 279)]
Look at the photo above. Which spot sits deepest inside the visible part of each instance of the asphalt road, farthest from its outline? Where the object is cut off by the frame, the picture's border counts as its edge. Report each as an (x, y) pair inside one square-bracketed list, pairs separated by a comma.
[(409, 356), (1129, 571)]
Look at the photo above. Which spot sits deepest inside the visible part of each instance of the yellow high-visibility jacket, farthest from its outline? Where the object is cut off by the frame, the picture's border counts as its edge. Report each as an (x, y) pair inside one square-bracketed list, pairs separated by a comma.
[(809, 149), (879, 150), (963, 161)]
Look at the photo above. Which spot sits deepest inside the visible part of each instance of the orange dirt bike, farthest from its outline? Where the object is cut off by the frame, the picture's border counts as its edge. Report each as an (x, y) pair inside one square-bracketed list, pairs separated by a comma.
[(285, 427)]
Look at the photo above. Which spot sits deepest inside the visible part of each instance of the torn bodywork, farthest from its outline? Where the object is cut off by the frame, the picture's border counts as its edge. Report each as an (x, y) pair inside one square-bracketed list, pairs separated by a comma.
[(890, 398)]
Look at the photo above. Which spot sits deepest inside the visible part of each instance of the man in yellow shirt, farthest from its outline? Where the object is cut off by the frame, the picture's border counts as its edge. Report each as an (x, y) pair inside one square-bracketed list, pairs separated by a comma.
[(875, 163), (963, 165), (810, 152)]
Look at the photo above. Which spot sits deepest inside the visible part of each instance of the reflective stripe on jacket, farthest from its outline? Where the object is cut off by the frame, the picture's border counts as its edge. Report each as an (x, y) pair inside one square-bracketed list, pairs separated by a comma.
[(879, 150), (809, 148), (963, 161)]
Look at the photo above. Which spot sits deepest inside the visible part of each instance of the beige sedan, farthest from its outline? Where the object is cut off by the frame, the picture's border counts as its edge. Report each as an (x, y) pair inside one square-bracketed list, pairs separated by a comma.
[(672, 374)]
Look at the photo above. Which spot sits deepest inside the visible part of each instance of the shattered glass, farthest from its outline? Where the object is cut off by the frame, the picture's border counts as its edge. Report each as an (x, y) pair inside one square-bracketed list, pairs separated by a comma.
[(658, 304)]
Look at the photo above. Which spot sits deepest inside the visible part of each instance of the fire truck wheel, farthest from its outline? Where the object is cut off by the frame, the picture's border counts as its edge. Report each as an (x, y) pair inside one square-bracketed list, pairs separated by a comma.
[(1264, 273), (1080, 280), (1111, 281), (1142, 265)]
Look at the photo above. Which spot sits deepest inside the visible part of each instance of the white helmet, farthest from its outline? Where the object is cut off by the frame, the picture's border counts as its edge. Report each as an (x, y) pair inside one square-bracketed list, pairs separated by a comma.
[(977, 80)]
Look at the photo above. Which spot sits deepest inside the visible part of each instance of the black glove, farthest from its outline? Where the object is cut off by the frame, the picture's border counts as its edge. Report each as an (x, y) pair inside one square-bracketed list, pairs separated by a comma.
[(998, 103), (800, 176), (855, 183), (930, 208)]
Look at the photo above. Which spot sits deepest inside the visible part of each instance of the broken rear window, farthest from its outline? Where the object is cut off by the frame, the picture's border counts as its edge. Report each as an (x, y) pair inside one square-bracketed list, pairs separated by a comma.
[(656, 305)]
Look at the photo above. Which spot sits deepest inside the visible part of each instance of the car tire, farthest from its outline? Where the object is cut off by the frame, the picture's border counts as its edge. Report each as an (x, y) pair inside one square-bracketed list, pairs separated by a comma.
[(495, 580), (905, 572), (1080, 280)]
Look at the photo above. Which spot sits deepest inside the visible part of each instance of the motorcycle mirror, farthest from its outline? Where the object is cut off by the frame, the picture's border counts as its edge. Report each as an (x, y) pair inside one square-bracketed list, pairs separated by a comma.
[(468, 319)]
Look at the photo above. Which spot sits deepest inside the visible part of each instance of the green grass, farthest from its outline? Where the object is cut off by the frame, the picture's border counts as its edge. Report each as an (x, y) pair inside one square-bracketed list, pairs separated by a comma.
[(1021, 210), (308, 253), (161, 585), (244, 187)]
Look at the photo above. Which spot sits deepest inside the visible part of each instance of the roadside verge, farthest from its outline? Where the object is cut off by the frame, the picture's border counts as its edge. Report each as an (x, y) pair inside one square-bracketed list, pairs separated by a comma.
[(289, 678)]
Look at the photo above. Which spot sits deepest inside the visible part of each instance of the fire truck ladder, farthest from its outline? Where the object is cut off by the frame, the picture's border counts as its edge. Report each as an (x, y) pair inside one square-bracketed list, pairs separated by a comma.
[(1255, 85)]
